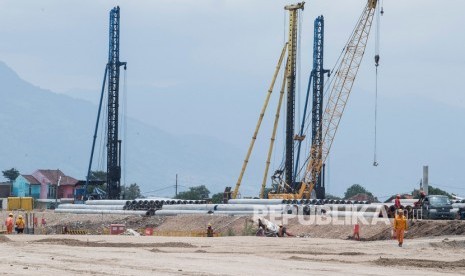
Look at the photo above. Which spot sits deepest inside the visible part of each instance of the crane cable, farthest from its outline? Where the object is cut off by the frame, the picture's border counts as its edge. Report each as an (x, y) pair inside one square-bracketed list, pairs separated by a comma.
[(380, 12)]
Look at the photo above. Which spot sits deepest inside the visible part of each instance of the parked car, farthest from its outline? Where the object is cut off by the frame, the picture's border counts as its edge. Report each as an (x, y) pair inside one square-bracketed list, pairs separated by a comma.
[(437, 207)]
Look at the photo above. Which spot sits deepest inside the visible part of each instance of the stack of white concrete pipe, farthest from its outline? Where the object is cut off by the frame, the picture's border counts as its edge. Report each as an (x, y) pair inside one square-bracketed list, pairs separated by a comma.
[(98, 207), (142, 206), (277, 206)]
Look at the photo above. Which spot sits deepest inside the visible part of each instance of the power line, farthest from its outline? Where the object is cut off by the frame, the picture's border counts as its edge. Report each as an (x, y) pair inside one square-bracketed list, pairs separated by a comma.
[(444, 186)]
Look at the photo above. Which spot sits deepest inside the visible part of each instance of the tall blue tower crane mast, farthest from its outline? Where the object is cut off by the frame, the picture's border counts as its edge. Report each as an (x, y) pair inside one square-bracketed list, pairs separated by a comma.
[(316, 82), (325, 122), (339, 92), (112, 71), (113, 143), (317, 99)]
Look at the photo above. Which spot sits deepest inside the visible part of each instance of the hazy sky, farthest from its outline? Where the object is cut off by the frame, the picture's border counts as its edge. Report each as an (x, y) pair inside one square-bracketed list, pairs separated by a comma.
[(203, 67)]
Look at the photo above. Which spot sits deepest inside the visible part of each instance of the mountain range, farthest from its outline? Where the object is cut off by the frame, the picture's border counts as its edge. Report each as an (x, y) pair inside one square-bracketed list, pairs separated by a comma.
[(47, 130)]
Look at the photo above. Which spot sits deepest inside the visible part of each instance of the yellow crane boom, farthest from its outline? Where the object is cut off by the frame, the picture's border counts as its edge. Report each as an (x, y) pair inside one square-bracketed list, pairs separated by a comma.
[(339, 94), (259, 123), (291, 47)]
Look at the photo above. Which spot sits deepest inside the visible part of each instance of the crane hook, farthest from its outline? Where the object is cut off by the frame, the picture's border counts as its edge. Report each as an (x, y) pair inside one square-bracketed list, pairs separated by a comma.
[(376, 60)]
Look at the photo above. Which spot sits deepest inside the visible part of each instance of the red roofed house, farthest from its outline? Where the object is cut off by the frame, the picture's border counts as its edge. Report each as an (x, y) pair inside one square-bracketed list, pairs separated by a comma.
[(50, 179)]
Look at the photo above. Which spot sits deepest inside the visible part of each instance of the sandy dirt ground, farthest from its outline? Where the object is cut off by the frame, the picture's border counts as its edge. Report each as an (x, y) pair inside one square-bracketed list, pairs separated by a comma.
[(233, 225), (130, 255)]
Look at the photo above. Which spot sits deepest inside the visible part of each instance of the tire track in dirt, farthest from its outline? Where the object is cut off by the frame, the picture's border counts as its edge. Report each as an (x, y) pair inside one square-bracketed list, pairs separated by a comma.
[(420, 263), (74, 242)]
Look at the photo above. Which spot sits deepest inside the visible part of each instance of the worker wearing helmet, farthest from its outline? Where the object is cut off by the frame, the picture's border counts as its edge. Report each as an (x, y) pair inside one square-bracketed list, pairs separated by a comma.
[(9, 224), (400, 226), (209, 230), (397, 202), (419, 203), (20, 225)]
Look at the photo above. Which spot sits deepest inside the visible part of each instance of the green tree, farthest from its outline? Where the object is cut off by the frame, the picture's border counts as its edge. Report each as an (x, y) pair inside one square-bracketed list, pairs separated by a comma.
[(431, 191), (132, 191), (330, 196), (217, 198), (355, 190), (195, 193), (436, 191), (98, 175), (11, 174)]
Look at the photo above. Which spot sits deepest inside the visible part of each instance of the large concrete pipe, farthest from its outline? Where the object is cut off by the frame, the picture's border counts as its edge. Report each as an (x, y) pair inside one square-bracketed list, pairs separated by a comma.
[(234, 213), (180, 212), (353, 207), (248, 207), (189, 207), (223, 207), (257, 201), (93, 211), (106, 202), (96, 207), (351, 214)]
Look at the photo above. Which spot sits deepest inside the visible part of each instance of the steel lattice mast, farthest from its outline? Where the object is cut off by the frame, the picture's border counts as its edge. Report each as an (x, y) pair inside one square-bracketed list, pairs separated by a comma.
[(317, 99), (340, 91), (339, 94), (113, 143), (315, 81), (291, 73)]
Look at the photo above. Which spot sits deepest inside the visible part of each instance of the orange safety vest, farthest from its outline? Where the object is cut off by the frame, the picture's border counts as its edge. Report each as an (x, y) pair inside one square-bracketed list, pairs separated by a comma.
[(9, 222), (209, 232), (20, 223), (400, 223)]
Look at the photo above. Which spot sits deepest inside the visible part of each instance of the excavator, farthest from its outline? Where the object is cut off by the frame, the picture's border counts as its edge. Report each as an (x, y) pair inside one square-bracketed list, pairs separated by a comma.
[(339, 92)]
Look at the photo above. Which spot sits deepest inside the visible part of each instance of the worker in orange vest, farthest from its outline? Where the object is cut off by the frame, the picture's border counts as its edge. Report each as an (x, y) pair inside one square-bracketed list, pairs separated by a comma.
[(209, 230), (356, 234), (20, 225), (400, 226), (397, 202), (9, 224)]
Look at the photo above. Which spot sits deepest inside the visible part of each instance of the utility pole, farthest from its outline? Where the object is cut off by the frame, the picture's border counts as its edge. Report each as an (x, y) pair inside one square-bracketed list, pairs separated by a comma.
[(56, 188), (176, 191)]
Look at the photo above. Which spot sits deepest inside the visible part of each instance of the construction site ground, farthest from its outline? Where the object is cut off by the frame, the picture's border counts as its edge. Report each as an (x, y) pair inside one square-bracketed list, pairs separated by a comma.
[(239, 255), (431, 247)]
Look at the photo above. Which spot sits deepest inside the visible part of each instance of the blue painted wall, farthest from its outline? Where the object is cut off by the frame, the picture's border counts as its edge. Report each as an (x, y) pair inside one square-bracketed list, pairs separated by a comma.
[(22, 188)]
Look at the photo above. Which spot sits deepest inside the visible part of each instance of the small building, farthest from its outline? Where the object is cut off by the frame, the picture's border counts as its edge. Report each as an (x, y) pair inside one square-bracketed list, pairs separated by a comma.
[(50, 180), (364, 197), (26, 186), (42, 184), (402, 196), (5, 189)]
